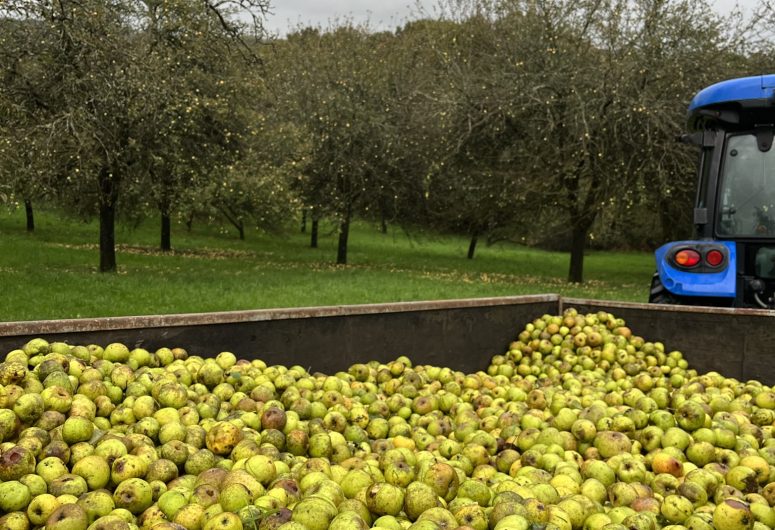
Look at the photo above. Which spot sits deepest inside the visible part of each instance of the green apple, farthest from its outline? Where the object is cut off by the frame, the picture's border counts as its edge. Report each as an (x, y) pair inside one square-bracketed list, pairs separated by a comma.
[(41, 507), (134, 495), (77, 429), (68, 517), (733, 514), (116, 352), (14, 496), (95, 471)]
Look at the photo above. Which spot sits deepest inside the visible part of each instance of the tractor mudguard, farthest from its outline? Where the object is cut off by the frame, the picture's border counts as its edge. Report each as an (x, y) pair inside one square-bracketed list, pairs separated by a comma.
[(701, 281)]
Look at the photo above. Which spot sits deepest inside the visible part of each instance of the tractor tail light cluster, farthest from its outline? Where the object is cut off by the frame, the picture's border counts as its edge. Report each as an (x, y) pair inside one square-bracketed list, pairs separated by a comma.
[(702, 258)]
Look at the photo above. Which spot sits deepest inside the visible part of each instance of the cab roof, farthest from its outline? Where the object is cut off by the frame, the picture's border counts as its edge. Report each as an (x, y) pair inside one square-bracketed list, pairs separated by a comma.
[(733, 101), (759, 88)]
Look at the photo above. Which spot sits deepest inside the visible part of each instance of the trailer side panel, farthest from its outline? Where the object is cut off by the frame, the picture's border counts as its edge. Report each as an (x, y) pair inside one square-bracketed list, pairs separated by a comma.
[(738, 343), (461, 334)]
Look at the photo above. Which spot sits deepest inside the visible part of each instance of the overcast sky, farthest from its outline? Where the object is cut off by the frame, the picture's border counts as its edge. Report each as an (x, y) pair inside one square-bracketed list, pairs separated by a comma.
[(381, 14)]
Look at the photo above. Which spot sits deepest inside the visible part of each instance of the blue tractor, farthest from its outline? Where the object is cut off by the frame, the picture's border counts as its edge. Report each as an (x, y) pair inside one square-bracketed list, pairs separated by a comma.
[(731, 261)]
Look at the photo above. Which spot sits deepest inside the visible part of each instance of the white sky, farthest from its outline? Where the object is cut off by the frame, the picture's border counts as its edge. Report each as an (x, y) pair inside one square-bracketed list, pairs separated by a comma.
[(380, 14)]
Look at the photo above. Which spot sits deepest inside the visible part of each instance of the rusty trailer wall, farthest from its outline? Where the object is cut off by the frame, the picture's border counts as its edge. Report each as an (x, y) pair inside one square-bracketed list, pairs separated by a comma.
[(737, 343), (462, 334)]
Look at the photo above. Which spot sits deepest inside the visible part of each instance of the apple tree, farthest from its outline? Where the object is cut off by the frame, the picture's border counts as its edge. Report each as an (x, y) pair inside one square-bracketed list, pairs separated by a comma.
[(108, 69), (27, 154), (586, 98), (332, 84), (477, 184)]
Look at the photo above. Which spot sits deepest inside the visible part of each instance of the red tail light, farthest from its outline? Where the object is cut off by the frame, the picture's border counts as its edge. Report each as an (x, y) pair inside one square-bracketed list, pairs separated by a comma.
[(699, 257), (714, 258), (687, 257)]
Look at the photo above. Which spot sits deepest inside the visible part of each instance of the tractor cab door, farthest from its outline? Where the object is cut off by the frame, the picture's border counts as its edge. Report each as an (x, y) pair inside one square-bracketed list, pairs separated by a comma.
[(745, 211), (746, 197)]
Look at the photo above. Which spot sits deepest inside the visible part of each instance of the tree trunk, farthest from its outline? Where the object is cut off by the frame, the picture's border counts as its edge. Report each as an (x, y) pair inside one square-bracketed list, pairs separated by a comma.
[(472, 244), (107, 237), (303, 221), (30, 215), (577, 246), (383, 214), (189, 221), (344, 234), (166, 229), (238, 223), (108, 196), (582, 214), (313, 240)]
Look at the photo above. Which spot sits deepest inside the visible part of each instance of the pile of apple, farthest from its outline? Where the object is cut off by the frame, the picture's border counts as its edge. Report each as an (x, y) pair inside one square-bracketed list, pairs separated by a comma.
[(579, 425)]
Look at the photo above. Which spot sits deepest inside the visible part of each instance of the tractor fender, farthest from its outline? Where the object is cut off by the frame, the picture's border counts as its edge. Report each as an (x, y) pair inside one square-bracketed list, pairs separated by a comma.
[(721, 283)]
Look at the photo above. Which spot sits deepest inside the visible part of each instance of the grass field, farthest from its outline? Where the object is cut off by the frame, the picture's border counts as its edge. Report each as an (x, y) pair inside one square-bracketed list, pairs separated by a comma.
[(53, 274)]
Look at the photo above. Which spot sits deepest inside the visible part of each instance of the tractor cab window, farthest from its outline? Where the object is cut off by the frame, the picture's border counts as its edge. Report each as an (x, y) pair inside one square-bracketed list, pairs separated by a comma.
[(747, 189)]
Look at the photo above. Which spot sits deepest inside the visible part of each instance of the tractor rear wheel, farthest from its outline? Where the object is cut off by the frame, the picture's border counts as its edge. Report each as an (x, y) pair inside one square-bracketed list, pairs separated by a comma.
[(659, 294)]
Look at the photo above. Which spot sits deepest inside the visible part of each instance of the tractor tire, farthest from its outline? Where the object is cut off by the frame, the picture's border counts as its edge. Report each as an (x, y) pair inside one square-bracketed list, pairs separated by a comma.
[(659, 294)]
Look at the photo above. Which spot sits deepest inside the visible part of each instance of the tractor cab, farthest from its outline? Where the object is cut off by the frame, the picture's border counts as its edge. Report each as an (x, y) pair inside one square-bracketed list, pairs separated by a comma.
[(732, 260)]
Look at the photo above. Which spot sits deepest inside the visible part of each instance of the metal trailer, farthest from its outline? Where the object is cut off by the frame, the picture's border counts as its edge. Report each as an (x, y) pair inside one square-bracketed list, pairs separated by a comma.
[(461, 334)]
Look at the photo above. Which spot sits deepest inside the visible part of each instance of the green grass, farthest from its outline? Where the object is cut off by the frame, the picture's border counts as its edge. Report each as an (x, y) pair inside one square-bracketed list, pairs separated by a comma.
[(53, 274)]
